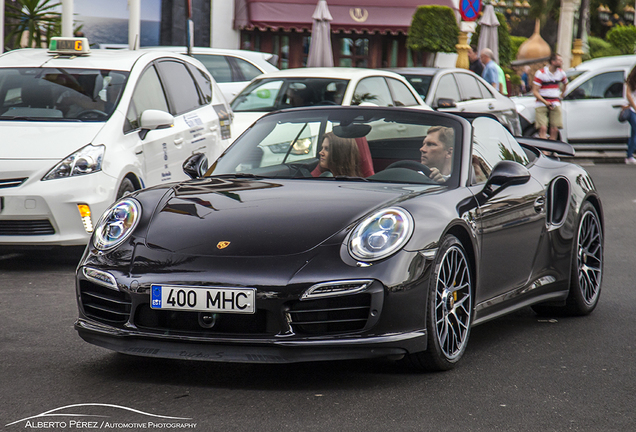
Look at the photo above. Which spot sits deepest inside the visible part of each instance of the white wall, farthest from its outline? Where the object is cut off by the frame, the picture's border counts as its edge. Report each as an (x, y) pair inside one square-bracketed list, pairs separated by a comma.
[(222, 35)]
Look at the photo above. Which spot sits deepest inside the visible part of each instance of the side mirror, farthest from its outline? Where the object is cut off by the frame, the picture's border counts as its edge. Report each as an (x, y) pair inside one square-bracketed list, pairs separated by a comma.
[(196, 165), (446, 103), (154, 119), (505, 174)]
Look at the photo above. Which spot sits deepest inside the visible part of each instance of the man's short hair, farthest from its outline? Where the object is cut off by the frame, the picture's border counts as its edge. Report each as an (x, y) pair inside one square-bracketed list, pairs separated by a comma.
[(446, 135), (553, 57), (487, 52)]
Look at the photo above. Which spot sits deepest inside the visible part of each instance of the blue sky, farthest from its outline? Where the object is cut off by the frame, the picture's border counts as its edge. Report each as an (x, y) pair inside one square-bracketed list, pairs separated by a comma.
[(150, 9)]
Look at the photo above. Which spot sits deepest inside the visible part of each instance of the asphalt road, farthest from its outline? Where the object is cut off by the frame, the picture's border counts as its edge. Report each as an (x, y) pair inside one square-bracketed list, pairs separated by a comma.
[(520, 373)]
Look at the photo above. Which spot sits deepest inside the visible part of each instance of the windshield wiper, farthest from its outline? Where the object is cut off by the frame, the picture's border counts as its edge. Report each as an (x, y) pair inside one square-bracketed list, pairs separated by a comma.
[(236, 175), (26, 118)]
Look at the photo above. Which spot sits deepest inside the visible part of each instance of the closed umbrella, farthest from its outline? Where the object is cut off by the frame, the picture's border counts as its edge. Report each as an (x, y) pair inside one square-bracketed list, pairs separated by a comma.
[(489, 36), (320, 53)]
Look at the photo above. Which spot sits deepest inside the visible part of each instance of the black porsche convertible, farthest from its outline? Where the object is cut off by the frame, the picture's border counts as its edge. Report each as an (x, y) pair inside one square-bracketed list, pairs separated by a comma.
[(344, 232)]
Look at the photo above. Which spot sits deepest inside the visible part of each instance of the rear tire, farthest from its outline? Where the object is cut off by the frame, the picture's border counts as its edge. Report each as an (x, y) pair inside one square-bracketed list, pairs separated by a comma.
[(587, 268), (448, 311)]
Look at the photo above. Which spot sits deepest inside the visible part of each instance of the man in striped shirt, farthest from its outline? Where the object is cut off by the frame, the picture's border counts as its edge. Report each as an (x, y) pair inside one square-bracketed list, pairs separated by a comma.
[(548, 87)]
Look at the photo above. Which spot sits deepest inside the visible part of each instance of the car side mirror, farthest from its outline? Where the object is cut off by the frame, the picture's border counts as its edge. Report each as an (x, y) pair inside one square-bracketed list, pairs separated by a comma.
[(505, 174), (154, 119), (196, 165), (446, 103)]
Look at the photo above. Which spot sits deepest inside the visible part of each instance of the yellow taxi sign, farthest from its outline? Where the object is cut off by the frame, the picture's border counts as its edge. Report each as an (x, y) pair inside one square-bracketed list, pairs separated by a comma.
[(69, 45)]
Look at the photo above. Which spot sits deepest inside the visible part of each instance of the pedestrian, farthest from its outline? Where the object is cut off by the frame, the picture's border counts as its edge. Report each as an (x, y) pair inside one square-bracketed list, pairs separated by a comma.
[(631, 99), (491, 71), (525, 79), (503, 87), (548, 87), (475, 64)]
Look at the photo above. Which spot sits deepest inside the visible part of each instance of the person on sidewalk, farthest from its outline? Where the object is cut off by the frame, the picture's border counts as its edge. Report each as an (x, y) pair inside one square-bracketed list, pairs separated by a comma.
[(631, 99), (491, 69), (546, 87), (475, 64)]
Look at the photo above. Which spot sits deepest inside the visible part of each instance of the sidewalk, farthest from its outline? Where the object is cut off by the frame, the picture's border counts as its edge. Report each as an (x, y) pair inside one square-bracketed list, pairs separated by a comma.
[(594, 157)]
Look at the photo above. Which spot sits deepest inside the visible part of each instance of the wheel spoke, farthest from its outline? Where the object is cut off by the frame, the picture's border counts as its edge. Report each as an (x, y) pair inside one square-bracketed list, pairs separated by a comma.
[(590, 256)]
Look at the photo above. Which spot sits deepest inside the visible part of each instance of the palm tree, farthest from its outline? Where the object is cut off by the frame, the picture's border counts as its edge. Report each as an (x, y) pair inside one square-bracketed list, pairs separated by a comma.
[(37, 18)]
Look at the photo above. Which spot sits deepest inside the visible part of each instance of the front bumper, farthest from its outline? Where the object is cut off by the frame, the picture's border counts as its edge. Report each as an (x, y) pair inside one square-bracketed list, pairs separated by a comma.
[(45, 213), (250, 351)]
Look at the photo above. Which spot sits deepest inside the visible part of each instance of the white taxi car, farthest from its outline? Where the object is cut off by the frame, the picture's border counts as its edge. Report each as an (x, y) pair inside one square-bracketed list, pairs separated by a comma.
[(82, 127)]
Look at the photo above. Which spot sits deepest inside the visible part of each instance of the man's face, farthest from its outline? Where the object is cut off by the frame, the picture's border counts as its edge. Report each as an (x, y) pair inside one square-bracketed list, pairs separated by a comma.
[(471, 55), (484, 58), (433, 153), (558, 61)]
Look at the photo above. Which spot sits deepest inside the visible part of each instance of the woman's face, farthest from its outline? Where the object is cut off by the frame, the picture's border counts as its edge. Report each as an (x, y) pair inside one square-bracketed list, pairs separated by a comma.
[(324, 154)]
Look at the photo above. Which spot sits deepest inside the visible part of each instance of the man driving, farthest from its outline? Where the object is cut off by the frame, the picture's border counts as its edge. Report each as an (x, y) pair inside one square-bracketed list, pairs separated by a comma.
[(437, 152)]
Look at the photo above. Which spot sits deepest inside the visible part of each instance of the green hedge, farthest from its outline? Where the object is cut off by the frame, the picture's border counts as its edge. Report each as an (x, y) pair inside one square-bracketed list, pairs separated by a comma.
[(623, 38), (601, 48), (515, 43), (433, 29)]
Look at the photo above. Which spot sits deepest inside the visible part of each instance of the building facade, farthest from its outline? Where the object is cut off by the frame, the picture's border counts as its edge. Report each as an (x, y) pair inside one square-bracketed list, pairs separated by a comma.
[(365, 33)]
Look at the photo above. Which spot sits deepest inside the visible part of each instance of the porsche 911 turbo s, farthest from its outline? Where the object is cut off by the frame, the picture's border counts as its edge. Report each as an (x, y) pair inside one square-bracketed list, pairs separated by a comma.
[(340, 233)]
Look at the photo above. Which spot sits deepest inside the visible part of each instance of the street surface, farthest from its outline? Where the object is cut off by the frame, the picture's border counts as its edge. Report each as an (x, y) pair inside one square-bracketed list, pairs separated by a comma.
[(520, 372)]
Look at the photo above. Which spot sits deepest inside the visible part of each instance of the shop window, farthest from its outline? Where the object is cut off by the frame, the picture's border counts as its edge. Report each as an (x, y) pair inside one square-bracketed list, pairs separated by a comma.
[(354, 52)]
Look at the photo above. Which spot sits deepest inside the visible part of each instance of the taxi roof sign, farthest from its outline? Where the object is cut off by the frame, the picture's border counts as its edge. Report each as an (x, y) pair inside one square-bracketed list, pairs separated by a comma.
[(69, 46)]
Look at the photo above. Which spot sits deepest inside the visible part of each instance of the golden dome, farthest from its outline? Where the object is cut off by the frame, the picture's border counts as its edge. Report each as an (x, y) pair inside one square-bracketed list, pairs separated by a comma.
[(535, 47)]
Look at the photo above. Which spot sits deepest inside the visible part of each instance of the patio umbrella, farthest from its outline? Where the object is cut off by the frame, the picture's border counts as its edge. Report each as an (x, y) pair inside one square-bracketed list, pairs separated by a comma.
[(489, 36), (320, 53)]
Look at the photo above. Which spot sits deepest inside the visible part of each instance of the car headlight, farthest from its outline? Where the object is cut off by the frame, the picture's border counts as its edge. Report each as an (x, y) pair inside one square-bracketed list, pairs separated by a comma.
[(116, 224), (86, 160), (381, 234)]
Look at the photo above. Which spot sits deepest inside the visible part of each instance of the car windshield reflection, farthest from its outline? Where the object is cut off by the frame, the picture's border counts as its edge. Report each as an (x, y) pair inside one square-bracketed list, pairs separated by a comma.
[(55, 94), (345, 144)]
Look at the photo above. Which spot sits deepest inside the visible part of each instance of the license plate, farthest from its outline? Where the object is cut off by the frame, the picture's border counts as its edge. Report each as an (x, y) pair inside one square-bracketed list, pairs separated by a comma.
[(198, 299)]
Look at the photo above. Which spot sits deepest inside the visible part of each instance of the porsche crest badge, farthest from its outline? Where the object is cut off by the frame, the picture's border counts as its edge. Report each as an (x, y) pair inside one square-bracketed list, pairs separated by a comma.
[(222, 244)]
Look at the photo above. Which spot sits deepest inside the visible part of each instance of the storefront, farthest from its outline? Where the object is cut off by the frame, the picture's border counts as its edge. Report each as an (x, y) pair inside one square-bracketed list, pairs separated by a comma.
[(365, 33)]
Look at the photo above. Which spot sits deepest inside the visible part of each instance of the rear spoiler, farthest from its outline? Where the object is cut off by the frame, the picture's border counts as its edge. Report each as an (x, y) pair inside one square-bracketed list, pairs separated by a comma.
[(558, 147)]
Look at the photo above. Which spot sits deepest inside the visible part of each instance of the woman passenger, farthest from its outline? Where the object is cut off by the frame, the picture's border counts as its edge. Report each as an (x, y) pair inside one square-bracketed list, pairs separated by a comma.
[(339, 156)]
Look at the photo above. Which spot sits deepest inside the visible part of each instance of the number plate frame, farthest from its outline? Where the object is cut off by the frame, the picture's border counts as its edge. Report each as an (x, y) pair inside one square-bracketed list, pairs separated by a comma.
[(203, 299)]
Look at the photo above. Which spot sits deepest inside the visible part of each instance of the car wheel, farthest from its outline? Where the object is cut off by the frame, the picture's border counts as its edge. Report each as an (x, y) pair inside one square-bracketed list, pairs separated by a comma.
[(125, 187), (587, 268), (449, 309)]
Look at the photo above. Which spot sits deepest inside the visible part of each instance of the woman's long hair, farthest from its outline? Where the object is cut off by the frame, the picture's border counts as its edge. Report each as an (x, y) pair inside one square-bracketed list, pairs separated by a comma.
[(344, 158), (631, 79)]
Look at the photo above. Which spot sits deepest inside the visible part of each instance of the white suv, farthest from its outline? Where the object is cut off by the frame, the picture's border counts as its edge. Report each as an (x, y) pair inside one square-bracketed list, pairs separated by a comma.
[(81, 128)]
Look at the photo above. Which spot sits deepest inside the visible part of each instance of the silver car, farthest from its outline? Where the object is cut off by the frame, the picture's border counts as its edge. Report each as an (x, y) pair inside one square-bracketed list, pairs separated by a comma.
[(453, 89)]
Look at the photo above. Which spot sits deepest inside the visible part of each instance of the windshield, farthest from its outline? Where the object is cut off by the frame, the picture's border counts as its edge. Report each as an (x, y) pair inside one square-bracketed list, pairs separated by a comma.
[(421, 83), (272, 94), (51, 94), (348, 144)]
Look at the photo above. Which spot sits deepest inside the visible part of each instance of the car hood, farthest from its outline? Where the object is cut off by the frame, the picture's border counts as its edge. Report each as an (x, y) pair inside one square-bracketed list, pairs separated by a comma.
[(243, 120), (220, 217), (42, 140)]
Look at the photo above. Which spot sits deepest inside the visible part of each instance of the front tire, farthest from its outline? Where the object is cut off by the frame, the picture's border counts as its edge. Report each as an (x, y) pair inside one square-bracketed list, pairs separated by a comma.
[(587, 267), (448, 310)]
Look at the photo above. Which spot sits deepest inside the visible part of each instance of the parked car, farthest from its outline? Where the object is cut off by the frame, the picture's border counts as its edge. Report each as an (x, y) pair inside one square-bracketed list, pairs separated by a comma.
[(272, 262), (593, 99), (232, 69), (321, 86), (453, 89), (83, 127)]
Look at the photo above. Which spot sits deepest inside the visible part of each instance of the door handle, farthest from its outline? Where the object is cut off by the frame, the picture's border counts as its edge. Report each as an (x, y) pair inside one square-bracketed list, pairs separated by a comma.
[(491, 106), (214, 128), (178, 141), (539, 204)]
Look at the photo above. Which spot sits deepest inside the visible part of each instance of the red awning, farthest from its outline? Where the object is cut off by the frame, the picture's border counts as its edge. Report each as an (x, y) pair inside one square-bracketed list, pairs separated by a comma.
[(382, 16)]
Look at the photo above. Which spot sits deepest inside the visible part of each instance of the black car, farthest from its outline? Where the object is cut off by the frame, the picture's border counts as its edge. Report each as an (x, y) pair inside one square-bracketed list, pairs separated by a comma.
[(276, 254)]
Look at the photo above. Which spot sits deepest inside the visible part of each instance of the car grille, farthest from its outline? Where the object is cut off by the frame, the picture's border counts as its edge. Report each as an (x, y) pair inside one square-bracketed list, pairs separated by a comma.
[(26, 227), (259, 323), (330, 315), (104, 304), (9, 183)]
